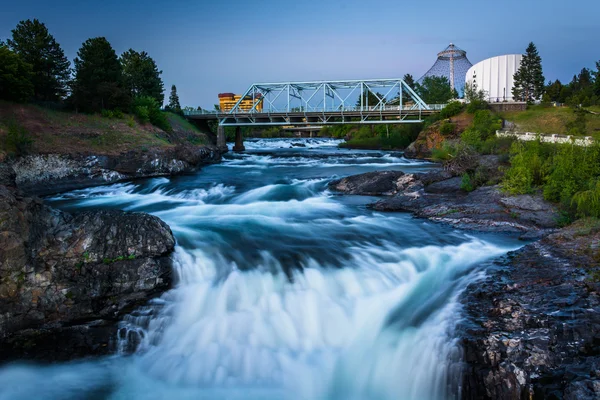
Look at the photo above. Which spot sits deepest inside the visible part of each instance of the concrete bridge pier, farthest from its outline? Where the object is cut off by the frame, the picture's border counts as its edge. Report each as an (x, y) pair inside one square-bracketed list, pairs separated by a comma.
[(239, 140), (221, 139)]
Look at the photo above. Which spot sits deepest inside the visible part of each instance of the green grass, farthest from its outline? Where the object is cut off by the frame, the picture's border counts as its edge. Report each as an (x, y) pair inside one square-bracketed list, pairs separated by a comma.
[(551, 120)]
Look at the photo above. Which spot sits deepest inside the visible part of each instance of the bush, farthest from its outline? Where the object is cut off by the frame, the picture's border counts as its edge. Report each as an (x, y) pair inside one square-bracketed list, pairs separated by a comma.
[(453, 108), (465, 183), (142, 113), (18, 140), (526, 168), (587, 202), (130, 121), (447, 128), (477, 105), (147, 109)]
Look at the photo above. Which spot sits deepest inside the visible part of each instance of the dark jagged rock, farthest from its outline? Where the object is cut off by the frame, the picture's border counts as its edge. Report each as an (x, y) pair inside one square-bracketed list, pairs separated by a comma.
[(43, 174), (378, 183), (532, 326), (67, 276)]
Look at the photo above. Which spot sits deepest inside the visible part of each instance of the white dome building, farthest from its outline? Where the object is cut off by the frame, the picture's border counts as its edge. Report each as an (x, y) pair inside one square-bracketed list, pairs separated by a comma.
[(495, 76)]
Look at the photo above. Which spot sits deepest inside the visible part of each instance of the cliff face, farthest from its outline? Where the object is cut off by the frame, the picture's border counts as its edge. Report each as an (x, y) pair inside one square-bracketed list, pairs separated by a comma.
[(431, 138), (66, 279)]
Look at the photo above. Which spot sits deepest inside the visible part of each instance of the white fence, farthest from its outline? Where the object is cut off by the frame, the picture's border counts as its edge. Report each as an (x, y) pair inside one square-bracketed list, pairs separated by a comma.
[(548, 138)]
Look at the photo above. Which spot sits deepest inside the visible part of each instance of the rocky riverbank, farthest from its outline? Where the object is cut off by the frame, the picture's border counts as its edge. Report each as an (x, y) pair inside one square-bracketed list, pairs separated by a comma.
[(67, 279), (438, 196), (43, 174), (532, 325)]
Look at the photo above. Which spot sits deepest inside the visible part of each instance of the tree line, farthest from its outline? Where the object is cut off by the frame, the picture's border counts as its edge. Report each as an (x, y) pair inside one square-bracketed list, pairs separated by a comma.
[(33, 67)]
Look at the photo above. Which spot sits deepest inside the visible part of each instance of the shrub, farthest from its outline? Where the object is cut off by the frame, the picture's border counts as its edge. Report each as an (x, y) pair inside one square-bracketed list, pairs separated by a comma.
[(476, 105), (472, 137), (453, 108), (447, 128), (130, 121), (118, 114), (18, 139), (142, 113), (465, 183), (107, 113), (146, 108), (587, 202), (526, 168)]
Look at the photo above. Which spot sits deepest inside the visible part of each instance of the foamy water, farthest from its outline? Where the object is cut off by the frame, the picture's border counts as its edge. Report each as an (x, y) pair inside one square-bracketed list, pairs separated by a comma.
[(283, 289)]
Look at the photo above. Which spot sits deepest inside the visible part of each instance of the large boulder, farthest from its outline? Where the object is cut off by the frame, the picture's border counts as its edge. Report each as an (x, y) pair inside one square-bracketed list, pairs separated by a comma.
[(377, 183), (59, 271)]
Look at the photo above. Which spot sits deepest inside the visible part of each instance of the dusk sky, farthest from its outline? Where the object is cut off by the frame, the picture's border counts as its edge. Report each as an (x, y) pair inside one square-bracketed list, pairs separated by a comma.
[(224, 46)]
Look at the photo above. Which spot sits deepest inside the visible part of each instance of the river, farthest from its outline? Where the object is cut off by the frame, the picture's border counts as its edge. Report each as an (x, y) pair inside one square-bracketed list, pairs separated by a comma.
[(284, 290)]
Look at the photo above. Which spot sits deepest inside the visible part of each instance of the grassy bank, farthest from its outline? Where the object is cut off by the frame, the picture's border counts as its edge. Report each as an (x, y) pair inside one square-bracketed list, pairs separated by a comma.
[(559, 120), (386, 137), (54, 131)]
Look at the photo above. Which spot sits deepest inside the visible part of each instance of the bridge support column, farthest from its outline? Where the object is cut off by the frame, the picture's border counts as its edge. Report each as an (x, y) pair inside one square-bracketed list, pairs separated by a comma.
[(239, 140), (221, 139)]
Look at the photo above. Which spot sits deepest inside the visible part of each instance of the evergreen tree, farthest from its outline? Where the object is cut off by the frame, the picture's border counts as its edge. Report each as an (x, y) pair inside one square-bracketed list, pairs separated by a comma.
[(98, 80), (141, 76), (553, 90), (597, 80), (174, 101), (529, 79), (37, 47), (15, 76), (410, 81), (368, 98), (435, 90)]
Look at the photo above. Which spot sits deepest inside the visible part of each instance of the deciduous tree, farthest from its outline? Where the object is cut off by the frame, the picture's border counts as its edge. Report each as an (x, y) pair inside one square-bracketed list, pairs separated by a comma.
[(141, 76), (15, 76), (37, 47), (435, 90), (529, 78)]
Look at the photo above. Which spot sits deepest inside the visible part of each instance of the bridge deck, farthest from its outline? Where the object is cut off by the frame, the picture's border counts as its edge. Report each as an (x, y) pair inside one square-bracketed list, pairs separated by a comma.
[(377, 116)]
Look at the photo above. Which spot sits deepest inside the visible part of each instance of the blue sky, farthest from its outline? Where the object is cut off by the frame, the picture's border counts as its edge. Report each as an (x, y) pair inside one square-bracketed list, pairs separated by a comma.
[(224, 46)]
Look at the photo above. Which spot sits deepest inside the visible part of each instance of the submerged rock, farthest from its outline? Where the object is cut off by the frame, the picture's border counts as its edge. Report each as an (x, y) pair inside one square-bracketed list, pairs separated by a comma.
[(532, 326), (63, 274)]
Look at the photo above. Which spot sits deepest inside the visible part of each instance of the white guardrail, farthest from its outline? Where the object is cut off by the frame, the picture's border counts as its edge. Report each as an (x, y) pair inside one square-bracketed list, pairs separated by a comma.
[(548, 138)]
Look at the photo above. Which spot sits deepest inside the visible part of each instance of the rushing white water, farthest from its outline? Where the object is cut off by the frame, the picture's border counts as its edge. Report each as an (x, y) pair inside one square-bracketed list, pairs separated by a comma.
[(283, 290)]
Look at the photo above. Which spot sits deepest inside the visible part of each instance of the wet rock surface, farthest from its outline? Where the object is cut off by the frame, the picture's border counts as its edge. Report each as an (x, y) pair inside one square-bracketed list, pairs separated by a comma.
[(532, 326), (439, 197), (43, 174), (65, 279)]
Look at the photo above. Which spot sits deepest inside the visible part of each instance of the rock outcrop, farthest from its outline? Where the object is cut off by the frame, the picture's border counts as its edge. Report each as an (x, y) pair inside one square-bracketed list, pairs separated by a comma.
[(43, 174), (66, 279), (439, 197), (532, 326)]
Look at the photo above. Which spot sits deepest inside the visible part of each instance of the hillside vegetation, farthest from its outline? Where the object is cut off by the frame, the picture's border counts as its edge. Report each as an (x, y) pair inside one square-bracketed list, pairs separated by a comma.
[(553, 120), (60, 132)]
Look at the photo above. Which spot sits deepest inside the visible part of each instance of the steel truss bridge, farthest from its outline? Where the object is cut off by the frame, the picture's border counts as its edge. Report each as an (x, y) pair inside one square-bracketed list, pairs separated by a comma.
[(376, 101)]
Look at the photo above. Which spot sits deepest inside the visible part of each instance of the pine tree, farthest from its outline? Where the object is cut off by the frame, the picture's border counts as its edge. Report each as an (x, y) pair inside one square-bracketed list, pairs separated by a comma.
[(529, 79), (410, 81), (98, 80), (597, 79), (141, 76), (174, 101), (37, 47)]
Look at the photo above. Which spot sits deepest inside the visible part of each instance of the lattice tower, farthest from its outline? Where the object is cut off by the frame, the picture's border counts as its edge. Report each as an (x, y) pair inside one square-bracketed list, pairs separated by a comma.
[(452, 63)]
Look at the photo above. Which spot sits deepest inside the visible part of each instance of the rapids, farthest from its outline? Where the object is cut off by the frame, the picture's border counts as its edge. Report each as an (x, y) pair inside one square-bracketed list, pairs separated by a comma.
[(283, 290)]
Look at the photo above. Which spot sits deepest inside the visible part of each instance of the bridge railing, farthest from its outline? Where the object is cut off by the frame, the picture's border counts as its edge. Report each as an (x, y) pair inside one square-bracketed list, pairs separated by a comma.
[(433, 107)]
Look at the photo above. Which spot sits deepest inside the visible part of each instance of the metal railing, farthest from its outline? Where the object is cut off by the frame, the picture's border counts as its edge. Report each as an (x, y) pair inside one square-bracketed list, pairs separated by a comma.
[(432, 107)]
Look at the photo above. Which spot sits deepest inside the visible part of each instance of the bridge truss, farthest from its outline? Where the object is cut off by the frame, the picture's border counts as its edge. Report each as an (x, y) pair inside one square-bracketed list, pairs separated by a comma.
[(377, 101)]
